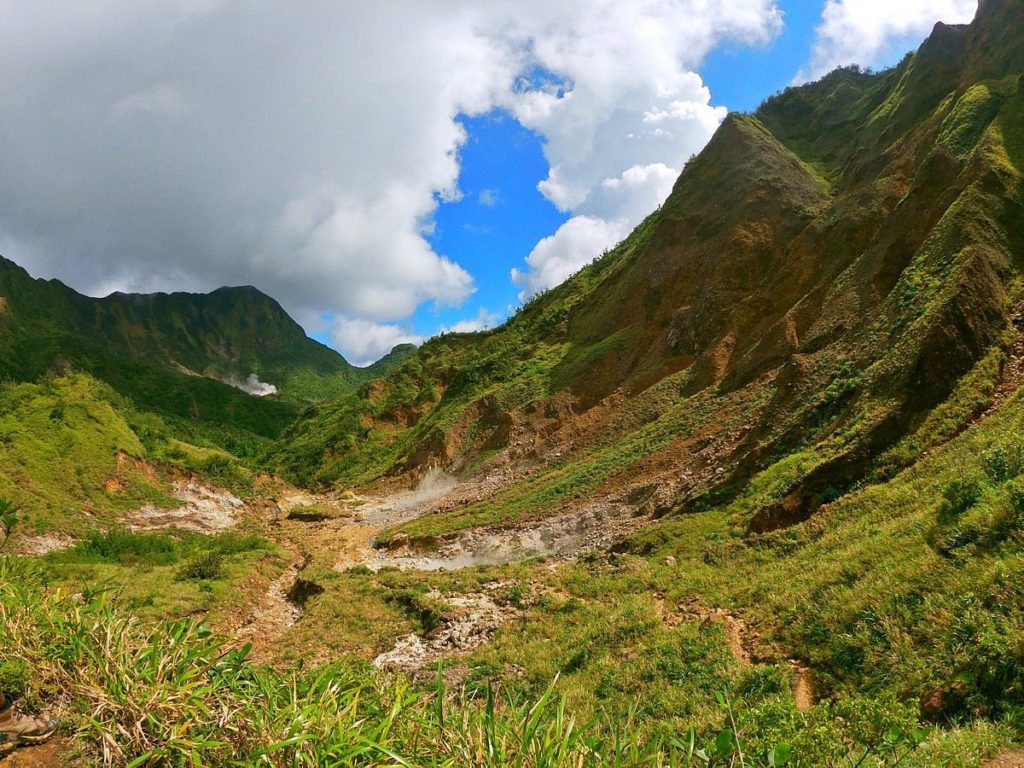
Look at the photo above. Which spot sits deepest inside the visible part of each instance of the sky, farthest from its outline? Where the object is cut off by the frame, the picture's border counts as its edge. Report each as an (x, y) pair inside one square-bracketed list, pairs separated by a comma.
[(388, 170)]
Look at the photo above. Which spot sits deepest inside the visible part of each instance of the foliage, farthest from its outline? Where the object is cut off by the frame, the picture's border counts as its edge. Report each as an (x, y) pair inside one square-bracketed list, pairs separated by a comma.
[(176, 692)]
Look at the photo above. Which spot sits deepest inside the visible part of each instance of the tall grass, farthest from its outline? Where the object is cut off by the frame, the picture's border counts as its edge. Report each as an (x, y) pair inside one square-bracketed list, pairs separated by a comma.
[(173, 693)]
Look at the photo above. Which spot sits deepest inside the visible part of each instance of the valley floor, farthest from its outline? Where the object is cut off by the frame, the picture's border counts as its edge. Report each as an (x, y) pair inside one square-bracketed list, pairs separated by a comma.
[(836, 637)]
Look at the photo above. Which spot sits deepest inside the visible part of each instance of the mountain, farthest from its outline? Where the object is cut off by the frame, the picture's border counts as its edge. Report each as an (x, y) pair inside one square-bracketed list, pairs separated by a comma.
[(824, 281), (748, 489), (175, 353), (229, 333)]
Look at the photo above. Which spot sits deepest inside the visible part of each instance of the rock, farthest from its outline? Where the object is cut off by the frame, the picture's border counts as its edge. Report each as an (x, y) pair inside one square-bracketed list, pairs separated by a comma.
[(670, 561)]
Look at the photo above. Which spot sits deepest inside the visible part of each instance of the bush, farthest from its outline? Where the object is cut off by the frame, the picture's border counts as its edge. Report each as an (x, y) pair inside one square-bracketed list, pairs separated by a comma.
[(120, 546), (205, 565), (1004, 463), (959, 495)]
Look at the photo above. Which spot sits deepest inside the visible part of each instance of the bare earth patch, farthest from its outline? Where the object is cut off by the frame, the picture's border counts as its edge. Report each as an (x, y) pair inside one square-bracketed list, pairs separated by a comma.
[(474, 620), (1012, 759), (49, 755), (44, 543), (205, 510)]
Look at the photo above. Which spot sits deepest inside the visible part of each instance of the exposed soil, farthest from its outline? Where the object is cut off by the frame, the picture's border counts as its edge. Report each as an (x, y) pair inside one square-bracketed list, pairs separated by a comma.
[(1012, 375), (473, 621), (744, 642), (591, 527), (44, 543), (803, 685), (279, 609), (52, 754), (1011, 759), (206, 510)]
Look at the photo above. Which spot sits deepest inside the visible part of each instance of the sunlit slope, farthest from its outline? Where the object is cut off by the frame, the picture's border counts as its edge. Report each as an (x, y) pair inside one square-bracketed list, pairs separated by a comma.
[(823, 280)]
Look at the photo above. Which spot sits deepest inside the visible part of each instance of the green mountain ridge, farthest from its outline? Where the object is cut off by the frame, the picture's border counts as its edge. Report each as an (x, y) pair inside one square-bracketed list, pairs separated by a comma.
[(175, 353), (836, 261), (785, 417), (227, 332)]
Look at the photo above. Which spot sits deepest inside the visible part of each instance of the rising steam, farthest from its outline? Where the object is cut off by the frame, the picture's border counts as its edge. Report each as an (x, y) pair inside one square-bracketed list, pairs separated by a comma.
[(252, 385)]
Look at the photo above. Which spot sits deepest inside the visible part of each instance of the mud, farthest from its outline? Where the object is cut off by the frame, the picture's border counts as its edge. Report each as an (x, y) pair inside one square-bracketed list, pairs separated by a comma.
[(205, 510)]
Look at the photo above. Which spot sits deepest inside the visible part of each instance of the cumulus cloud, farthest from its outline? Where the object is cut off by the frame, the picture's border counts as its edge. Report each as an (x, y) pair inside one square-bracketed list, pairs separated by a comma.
[(484, 320), (862, 31), (576, 243), (364, 341), (186, 144), (628, 112)]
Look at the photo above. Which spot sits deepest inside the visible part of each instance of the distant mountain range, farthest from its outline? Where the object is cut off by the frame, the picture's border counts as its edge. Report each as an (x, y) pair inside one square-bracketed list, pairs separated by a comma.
[(162, 349)]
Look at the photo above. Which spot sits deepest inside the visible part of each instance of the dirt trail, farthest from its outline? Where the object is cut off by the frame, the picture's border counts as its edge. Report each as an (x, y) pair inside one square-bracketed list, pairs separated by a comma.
[(49, 755), (1011, 759), (803, 685), (276, 612), (744, 642), (1012, 375)]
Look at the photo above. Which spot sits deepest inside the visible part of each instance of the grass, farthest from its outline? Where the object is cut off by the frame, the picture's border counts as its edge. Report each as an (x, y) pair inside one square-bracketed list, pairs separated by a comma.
[(173, 573), (905, 583), (172, 692), (60, 442), (901, 587)]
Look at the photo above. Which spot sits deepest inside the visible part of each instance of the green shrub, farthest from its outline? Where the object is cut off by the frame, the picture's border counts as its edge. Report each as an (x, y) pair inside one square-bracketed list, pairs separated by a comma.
[(1004, 463), (15, 676), (205, 565), (122, 546), (959, 495)]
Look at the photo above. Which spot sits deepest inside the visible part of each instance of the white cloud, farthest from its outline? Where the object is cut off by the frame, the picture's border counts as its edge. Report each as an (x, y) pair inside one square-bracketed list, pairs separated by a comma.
[(364, 341), (861, 31), (632, 112), (186, 144), (484, 320), (577, 242), (488, 198)]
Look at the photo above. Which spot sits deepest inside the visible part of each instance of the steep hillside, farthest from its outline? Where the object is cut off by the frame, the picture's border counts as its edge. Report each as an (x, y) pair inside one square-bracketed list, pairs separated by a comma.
[(823, 281), (746, 490)]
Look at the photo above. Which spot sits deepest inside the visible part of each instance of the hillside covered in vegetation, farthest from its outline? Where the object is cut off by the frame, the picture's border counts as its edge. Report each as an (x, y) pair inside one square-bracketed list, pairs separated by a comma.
[(748, 490)]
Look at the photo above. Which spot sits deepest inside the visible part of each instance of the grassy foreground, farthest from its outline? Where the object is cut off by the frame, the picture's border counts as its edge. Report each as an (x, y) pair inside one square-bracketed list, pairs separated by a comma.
[(173, 693)]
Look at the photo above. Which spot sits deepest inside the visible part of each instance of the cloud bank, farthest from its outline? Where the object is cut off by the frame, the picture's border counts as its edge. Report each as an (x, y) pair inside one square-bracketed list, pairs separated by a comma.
[(187, 144), (861, 31)]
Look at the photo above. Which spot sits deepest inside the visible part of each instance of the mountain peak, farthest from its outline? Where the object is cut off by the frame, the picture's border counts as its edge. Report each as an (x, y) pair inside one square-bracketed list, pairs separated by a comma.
[(994, 43)]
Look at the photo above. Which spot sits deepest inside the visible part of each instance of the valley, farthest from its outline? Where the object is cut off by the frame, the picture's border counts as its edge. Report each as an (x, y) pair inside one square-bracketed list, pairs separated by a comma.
[(746, 490)]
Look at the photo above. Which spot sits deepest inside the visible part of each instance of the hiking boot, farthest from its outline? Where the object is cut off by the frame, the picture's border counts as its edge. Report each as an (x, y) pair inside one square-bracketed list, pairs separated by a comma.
[(17, 730)]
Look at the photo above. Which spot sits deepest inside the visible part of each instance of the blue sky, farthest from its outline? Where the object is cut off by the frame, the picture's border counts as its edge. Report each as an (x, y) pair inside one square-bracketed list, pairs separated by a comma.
[(502, 215)]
